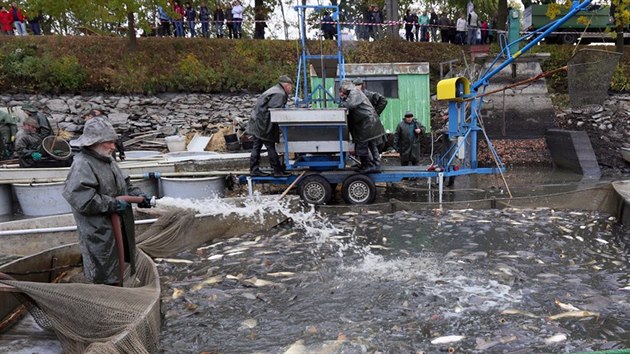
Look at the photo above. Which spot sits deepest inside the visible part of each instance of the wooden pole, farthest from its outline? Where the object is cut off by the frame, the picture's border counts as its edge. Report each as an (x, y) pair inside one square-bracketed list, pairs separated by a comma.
[(291, 185)]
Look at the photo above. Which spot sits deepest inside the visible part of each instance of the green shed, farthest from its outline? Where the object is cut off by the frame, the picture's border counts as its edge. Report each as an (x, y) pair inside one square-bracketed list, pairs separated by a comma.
[(406, 86)]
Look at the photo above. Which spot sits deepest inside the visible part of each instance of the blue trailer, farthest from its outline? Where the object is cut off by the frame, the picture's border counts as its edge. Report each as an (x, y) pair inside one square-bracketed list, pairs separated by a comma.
[(316, 142)]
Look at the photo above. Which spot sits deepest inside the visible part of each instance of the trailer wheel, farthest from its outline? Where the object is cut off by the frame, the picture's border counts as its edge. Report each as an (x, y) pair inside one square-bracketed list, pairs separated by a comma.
[(358, 189), (315, 189), (568, 38)]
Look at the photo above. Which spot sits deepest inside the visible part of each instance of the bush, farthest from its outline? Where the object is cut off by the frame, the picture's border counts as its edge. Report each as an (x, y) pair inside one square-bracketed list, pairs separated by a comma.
[(43, 63), (26, 70)]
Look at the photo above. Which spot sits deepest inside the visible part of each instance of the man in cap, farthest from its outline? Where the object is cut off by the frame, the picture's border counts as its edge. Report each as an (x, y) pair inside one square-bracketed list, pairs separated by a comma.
[(92, 185), (28, 144), (407, 140), (363, 124), (379, 102), (44, 129), (263, 131)]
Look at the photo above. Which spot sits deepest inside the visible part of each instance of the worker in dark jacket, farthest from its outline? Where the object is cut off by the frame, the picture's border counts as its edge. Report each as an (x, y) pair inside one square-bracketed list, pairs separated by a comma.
[(28, 143), (8, 131), (363, 124), (379, 102), (407, 140), (92, 185), (263, 131), (44, 129)]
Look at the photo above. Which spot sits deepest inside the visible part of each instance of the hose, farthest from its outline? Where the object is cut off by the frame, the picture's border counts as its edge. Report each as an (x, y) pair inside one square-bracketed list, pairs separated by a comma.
[(118, 237)]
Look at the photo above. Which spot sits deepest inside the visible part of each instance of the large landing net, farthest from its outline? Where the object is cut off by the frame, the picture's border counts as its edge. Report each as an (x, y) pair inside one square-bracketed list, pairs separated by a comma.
[(590, 72)]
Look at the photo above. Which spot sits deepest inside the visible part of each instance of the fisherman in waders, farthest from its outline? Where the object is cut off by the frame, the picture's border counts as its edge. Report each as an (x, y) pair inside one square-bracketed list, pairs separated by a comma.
[(407, 140), (363, 123), (263, 131), (379, 102), (92, 185)]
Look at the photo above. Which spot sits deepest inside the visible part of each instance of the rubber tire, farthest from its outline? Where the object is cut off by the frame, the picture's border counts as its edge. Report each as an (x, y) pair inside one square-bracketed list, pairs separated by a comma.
[(315, 189), (358, 189), (568, 38)]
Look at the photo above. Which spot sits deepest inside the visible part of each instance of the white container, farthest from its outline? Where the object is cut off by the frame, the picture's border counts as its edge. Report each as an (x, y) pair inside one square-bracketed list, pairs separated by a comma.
[(141, 154), (193, 188), (40, 199), (6, 201), (175, 143)]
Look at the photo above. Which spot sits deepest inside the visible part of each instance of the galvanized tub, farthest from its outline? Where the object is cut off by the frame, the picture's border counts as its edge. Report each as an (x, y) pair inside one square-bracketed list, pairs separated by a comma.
[(5, 199), (193, 188), (148, 186), (40, 199)]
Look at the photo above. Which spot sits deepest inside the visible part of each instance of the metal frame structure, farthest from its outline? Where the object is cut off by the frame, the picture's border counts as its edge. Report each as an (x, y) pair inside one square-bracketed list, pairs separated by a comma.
[(465, 102), (302, 75)]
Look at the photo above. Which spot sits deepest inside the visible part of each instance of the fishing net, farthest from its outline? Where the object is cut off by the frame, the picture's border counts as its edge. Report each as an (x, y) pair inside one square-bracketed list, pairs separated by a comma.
[(99, 318), (106, 319), (589, 75)]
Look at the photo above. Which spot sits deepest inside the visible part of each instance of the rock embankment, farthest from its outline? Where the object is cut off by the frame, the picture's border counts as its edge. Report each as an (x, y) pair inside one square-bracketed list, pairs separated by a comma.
[(608, 126), (165, 113)]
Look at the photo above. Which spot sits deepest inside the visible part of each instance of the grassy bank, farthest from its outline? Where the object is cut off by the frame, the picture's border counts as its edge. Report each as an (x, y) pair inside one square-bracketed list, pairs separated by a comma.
[(56, 64)]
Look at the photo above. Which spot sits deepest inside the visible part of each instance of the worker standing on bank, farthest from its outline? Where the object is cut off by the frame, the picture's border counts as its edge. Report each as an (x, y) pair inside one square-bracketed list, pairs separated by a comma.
[(407, 140), (379, 102), (263, 131), (92, 185), (363, 124)]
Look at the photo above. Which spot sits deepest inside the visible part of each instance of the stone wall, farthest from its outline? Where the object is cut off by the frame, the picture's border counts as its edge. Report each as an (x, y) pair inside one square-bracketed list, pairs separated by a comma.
[(165, 113)]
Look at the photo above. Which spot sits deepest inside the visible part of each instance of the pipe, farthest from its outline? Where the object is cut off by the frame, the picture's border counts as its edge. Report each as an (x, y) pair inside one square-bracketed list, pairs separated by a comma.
[(118, 237)]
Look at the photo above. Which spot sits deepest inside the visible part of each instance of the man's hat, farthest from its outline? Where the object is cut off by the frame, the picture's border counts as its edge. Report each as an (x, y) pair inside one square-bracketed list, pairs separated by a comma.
[(32, 122), (285, 79), (96, 130), (408, 114), (29, 108), (346, 84), (358, 81)]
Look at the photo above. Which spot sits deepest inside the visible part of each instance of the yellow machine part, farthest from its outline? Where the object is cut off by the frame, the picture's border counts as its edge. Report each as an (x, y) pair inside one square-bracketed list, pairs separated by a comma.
[(447, 88)]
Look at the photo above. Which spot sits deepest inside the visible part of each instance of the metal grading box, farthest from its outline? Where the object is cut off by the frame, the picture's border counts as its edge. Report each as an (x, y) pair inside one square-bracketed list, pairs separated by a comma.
[(312, 131)]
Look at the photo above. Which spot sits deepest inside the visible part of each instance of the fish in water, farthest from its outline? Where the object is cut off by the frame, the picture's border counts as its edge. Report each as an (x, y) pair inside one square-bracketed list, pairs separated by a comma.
[(174, 260), (556, 338), (566, 307), (571, 314), (447, 339), (518, 312)]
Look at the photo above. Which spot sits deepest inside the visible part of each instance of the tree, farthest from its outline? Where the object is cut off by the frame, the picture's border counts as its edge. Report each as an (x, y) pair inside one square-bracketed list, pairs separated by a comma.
[(620, 10), (101, 14)]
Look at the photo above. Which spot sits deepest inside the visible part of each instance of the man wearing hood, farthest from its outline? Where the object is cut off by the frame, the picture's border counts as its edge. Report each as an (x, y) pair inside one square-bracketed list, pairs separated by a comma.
[(92, 185), (263, 131), (379, 102), (363, 123)]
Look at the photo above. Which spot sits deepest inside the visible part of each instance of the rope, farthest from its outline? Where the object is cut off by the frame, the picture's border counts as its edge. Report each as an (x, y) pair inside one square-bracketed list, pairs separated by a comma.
[(531, 79), (493, 154)]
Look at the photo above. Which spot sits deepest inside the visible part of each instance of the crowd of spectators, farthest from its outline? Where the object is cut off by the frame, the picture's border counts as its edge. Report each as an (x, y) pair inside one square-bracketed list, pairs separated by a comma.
[(431, 27), (184, 20), (13, 21)]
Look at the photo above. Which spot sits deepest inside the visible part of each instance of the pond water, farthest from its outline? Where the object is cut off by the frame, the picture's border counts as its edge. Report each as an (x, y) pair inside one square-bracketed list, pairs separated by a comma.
[(474, 281)]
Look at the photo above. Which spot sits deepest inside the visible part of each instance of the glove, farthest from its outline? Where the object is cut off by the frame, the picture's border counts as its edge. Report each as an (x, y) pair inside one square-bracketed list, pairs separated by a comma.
[(36, 156), (146, 203), (121, 206)]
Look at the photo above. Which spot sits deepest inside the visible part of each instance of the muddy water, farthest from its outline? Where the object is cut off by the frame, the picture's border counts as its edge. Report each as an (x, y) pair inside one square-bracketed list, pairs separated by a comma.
[(487, 281)]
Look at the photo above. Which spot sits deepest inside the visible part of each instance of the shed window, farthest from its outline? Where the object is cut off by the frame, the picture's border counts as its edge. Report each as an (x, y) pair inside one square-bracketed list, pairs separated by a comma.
[(385, 85)]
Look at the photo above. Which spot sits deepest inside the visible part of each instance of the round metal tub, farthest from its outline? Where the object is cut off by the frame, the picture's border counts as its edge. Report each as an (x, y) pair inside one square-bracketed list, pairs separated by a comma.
[(193, 188), (148, 186), (40, 199), (5, 199)]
